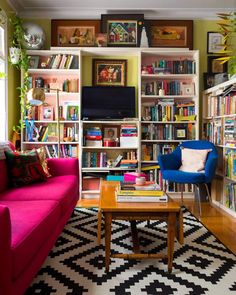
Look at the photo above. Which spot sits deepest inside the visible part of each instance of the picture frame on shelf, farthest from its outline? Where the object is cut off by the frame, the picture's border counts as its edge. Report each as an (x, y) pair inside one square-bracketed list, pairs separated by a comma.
[(47, 113), (101, 40), (33, 62), (109, 72), (215, 42), (111, 132), (208, 80), (215, 65), (72, 112), (123, 30), (171, 33), (74, 33), (187, 88), (181, 133)]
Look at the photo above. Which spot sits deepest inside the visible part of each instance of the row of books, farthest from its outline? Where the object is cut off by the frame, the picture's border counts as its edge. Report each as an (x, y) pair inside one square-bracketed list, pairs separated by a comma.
[(221, 105), (151, 151), (166, 110), (169, 88), (230, 164), (230, 196), (185, 66), (57, 61), (168, 132), (66, 151)]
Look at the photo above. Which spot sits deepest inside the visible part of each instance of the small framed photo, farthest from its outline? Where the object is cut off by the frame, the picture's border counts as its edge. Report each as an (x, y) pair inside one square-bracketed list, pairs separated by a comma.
[(216, 66), (33, 62), (208, 80), (215, 42), (187, 89), (101, 40), (47, 113), (180, 133), (72, 112), (109, 72), (111, 132), (123, 30)]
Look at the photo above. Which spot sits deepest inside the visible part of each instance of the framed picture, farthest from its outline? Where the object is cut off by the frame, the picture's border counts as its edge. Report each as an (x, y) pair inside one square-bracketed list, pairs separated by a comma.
[(215, 42), (215, 66), (101, 40), (69, 33), (109, 72), (110, 132), (208, 80), (47, 113), (122, 29), (171, 33), (180, 133), (72, 112), (187, 88), (33, 62)]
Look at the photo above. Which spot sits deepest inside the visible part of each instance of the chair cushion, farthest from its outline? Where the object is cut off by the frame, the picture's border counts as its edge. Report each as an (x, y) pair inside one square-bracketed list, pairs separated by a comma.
[(31, 224), (63, 189), (183, 177), (193, 160)]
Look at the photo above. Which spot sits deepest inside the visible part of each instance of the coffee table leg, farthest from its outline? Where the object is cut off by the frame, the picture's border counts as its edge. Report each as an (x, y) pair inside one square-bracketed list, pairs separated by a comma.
[(171, 239), (108, 219), (99, 227)]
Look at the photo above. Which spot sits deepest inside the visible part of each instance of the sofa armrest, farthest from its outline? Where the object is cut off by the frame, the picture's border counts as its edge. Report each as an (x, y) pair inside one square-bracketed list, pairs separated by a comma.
[(63, 166), (5, 251)]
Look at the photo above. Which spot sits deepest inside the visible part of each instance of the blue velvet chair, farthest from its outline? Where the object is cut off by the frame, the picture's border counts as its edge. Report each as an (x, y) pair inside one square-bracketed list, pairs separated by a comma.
[(170, 164)]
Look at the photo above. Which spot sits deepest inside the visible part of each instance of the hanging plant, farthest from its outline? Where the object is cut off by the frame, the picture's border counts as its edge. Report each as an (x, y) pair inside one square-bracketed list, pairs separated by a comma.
[(227, 26), (21, 62)]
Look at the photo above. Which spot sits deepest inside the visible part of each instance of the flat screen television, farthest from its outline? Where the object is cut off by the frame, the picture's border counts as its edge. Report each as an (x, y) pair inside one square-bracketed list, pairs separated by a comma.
[(106, 102)]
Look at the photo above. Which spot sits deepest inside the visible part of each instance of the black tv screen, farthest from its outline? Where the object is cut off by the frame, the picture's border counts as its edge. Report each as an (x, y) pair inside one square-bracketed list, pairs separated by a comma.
[(106, 102)]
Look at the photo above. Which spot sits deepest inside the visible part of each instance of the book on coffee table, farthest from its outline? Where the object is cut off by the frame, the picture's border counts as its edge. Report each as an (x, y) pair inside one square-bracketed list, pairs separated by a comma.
[(142, 198)]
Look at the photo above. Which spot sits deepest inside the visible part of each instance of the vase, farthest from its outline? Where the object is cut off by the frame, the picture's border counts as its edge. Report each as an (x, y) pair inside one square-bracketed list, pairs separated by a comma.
[(15, 53)]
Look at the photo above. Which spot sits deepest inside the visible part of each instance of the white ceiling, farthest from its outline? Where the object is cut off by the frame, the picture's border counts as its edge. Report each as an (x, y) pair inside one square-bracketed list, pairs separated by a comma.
[(92, 9)]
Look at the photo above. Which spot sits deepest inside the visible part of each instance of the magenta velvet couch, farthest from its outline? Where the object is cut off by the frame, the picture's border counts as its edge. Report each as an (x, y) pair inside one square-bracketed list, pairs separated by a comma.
[(31, 219)]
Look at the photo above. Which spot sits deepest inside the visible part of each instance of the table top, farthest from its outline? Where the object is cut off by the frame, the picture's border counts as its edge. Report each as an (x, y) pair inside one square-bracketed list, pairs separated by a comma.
[(108, 202)]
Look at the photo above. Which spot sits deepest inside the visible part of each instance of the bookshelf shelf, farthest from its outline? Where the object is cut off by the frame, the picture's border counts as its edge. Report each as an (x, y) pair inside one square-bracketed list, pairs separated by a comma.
[(219, 112)]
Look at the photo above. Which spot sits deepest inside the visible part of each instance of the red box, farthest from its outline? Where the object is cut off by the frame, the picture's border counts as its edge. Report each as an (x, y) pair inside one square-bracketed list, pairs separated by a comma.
[(109, 142)]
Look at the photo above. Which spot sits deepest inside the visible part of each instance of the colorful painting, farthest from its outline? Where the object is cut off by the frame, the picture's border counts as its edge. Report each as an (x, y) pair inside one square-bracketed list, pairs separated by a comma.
[(165, 33), (122, 32), (77, 33), (109, 72)]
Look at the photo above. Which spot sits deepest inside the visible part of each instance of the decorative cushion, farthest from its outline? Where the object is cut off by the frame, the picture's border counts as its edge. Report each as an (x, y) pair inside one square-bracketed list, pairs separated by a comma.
[(43, 161), (4, 146), (24, 169), (193, 160)]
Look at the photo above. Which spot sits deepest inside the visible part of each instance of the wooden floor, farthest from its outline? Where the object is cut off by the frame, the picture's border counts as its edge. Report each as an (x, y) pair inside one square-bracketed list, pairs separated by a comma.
[(222, 225)]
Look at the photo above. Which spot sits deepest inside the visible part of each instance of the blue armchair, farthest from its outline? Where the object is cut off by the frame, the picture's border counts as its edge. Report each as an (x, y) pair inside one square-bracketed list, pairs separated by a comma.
[(170, 164)]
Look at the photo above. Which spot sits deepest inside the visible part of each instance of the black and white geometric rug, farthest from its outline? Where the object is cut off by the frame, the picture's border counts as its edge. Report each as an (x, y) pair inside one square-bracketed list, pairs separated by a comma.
[(76, 264)]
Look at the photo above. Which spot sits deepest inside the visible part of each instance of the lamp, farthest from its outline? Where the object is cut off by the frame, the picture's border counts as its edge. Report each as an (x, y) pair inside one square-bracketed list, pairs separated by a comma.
[(36, 97)]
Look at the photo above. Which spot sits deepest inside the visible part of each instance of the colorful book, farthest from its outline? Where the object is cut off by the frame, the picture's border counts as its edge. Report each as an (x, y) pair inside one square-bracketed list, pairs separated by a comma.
[(143, 193)]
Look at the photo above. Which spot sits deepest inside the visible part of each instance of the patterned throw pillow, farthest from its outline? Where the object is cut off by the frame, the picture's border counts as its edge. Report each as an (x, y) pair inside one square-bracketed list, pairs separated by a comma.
[(43, 161), (24, 169)]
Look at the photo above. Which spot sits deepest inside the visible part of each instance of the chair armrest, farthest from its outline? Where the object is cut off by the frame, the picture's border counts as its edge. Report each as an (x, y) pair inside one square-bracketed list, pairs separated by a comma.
[(169, 161), (63, 166), (210, 167), (5, 251)]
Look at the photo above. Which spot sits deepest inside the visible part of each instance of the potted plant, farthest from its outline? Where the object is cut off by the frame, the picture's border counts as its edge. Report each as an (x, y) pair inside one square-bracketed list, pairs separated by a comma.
[(227, 26)]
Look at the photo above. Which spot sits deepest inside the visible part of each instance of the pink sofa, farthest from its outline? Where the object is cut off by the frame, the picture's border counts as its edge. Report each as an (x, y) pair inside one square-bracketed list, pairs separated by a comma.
[(31, 219)]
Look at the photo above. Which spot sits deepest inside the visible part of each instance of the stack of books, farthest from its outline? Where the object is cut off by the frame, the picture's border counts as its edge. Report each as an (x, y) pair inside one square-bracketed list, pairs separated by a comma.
[(93, 137), (148, 193)]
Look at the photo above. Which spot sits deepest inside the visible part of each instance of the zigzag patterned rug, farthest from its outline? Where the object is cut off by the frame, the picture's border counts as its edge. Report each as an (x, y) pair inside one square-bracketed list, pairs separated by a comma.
[(76, 264)]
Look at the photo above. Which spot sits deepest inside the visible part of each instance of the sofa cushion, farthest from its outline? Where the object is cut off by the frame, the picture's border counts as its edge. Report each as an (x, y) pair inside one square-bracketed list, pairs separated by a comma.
[(31, 224), (24, 169), (63, 189)]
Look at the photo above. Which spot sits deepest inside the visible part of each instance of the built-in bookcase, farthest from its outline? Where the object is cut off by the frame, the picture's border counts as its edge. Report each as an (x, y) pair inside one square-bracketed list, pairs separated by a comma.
[(219, 126)]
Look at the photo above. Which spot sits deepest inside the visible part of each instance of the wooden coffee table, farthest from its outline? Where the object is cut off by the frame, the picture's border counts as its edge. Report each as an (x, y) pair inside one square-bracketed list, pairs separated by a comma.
[(112, 210)]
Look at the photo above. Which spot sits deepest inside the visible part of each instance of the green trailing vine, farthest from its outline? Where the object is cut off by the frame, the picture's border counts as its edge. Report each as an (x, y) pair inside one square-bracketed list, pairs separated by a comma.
[(23, 66)]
